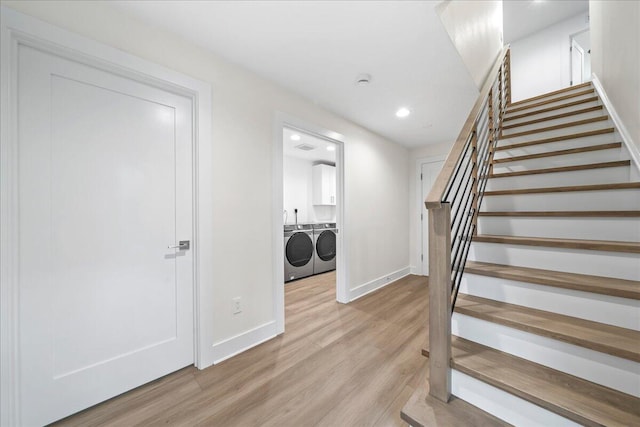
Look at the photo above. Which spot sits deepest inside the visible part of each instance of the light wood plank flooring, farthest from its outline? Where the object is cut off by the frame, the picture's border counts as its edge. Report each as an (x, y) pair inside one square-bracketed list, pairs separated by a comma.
[(336, 365)]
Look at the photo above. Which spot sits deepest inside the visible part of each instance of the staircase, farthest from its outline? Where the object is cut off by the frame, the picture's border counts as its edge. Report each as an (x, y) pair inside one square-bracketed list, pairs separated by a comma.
[(547, 320)]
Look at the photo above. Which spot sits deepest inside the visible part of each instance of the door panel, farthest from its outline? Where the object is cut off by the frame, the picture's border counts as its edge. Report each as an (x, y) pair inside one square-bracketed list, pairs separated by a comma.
[(105, 187)]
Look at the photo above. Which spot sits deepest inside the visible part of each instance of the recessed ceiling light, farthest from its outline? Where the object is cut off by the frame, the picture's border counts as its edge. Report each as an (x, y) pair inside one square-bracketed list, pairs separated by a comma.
[(295, 137), (331, 148), (403, 112)]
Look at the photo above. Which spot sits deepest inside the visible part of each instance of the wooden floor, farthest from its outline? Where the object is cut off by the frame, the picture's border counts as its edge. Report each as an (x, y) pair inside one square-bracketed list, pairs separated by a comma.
[(335, 365)]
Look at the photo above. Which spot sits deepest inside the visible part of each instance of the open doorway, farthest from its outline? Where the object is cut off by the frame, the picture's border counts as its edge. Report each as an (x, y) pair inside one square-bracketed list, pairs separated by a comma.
[(308, 212), (580, 57)]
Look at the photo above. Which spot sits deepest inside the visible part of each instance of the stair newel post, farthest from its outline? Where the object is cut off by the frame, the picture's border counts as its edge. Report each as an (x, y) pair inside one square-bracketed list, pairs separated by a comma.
[(440, 302)]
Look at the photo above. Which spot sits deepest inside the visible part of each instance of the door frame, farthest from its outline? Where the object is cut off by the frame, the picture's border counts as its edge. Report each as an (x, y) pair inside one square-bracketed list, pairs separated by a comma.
[(420, 206), (285, 120), (18, 29)]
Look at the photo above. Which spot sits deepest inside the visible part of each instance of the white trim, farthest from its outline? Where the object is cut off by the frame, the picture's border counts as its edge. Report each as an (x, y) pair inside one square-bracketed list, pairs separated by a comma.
[(230, 347), (17, 28), (342, 295), (506, 406), (617, 121), (380, 282), (419, 269)]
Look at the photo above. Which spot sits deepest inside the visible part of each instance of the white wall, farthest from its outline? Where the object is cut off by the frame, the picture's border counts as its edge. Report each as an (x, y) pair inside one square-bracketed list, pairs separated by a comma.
[(416, 204), (475, 28), (244, 110), (297, 176), (615, 59), (541, 63)]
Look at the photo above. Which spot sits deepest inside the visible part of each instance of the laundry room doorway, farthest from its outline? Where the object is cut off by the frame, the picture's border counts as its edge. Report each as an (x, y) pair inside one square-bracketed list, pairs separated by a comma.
[(308, 225)]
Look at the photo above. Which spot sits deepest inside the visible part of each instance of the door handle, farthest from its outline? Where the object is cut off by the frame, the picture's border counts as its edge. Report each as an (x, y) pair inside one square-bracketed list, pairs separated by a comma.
[(182, 245)]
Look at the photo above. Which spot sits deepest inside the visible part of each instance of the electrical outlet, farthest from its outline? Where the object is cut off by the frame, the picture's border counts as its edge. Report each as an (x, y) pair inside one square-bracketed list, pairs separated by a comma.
[(237, 307)]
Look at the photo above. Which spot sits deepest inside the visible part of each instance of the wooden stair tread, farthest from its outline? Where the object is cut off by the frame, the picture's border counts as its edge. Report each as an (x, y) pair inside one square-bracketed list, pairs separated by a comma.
[(549, 109), (580, 400), (573, 168), (422, 410), (592, 187), (556, 127), (510, 108), (581, 282), (582, 214), (554, 117), (613, 340), (548, 94), (549, 242), (602, 131), (586, 149)]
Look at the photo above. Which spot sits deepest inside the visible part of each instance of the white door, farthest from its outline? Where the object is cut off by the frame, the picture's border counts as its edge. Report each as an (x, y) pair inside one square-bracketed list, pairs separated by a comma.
[(577, 63), (105, 186), (429, 173)]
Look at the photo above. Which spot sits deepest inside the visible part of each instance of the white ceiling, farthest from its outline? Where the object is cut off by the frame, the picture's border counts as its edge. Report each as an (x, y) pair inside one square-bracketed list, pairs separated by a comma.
[(525, 17), (319, 154), (317, 48)]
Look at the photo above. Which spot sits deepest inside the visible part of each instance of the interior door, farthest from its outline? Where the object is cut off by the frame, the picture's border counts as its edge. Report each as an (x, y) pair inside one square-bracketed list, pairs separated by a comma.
[(577, 63), (429, 172), (105, 187)]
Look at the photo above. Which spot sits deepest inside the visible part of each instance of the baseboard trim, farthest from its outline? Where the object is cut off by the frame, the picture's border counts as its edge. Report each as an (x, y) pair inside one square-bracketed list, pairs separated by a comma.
[(230, 347), (375, 284), (617, 122)]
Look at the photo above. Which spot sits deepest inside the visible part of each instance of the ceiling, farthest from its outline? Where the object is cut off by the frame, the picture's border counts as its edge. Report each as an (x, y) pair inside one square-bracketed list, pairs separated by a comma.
[(522, 18), (318, 48), (320, 153)]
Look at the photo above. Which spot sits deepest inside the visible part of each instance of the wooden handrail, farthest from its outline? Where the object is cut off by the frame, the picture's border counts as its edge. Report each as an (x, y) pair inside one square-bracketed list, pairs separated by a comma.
[(454, 202), (434, 199)]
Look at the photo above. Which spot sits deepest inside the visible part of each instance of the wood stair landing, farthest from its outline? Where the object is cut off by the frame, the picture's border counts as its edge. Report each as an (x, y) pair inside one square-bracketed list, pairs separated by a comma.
[(579, 282), (550, 94), (516, 108), (574, 398), (613, 340)]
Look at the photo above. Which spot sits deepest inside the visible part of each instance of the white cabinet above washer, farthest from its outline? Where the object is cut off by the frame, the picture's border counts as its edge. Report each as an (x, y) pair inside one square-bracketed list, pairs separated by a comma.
[(324, 185)]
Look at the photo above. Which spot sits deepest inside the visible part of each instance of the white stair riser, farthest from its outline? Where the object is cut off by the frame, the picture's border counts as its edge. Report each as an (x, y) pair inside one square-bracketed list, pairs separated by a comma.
[(589, 157), (554, 122), (548, 113), (503, 405), (508, 139), (619, 229), (628, 199), (621, 312), (530, 106), (596, 263), (600, 368), (584, 177), (584, 141)]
